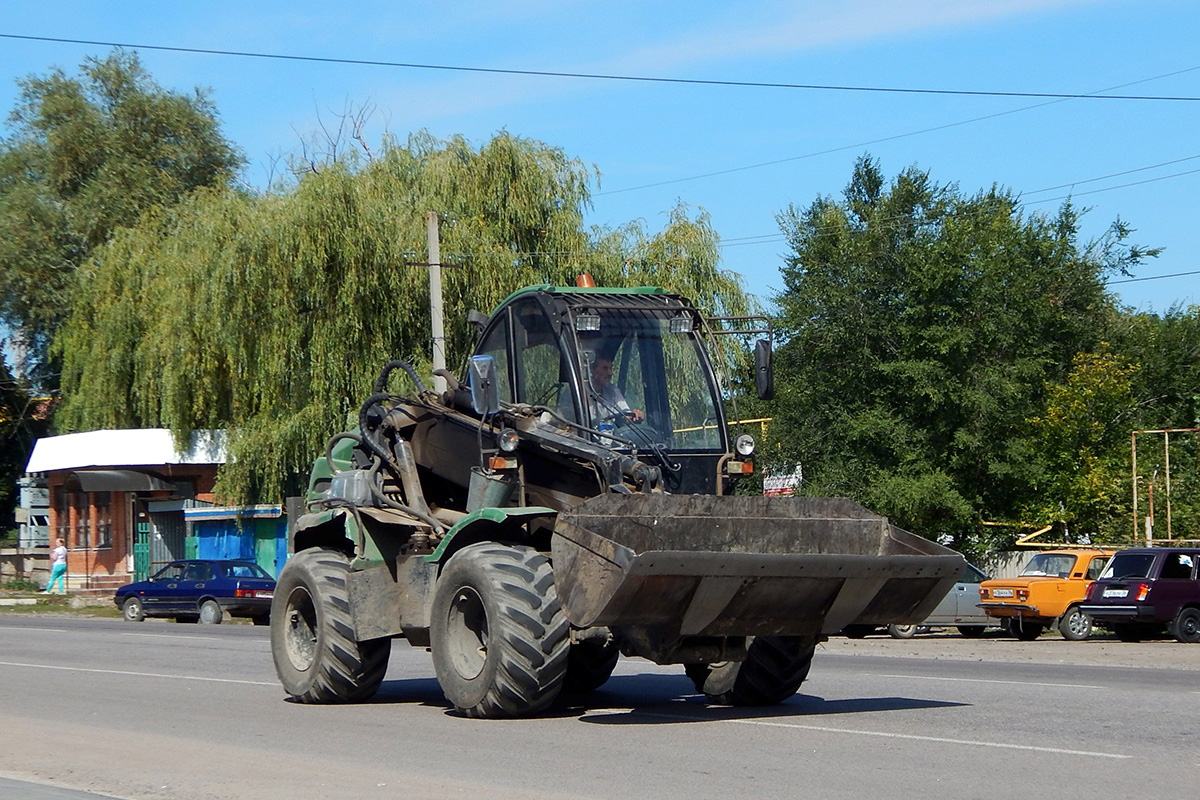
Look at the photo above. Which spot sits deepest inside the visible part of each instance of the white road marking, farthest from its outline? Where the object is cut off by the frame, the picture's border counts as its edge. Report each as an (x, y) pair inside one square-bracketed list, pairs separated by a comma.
[(176, 636), (43, 630), (886, 735), (137, 674), (985, 680)]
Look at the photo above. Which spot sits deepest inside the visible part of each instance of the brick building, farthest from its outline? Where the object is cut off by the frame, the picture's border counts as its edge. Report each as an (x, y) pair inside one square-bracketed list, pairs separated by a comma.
[(117, 498)]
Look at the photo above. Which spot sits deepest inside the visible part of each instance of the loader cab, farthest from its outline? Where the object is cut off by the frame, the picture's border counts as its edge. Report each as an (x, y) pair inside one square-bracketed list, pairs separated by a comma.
[(549, 345)]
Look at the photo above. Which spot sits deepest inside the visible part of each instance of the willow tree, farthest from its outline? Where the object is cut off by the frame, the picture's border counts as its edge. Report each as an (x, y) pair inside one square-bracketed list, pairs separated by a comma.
[(270, 316)]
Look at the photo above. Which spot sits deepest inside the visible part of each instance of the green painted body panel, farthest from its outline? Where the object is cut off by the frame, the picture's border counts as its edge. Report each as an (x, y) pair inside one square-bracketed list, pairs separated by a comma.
[(505, 517)]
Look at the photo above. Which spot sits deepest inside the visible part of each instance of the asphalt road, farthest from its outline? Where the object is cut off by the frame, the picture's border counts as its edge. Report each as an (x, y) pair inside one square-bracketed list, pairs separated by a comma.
[(160, 710)]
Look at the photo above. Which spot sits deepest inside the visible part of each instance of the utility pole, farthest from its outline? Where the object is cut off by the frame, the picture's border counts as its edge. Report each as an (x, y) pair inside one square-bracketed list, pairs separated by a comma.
[(435, 299)]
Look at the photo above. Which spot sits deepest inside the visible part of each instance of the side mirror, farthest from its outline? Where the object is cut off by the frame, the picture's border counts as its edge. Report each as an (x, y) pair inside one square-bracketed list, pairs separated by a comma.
[(485, 393), (764, 376), (477, 320)]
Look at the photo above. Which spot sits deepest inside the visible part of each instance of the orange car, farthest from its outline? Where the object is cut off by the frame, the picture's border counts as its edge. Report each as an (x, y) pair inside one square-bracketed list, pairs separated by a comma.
[(1048, 592)]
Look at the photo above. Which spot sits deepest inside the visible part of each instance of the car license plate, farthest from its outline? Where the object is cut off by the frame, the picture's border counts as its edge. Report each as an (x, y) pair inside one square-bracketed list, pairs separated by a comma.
[(1116, 592), (1002, 593)]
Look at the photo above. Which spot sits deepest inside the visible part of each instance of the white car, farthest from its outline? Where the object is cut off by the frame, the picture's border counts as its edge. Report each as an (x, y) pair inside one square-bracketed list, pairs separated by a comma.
[(959, 609)]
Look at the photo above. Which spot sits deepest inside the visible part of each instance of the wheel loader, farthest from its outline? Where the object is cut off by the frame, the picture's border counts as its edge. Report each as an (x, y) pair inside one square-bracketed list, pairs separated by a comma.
[(570, 500)]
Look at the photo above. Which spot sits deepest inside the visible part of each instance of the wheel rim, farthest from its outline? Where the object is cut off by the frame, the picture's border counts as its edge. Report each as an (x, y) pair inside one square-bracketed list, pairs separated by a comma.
[(300, 630), (467, 633), (1078, 624), (1190, 625), (132, 609)]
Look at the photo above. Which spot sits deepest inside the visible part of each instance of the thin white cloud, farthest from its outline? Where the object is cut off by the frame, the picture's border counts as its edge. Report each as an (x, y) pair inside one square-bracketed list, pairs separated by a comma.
[(750, 30), (789, 28)]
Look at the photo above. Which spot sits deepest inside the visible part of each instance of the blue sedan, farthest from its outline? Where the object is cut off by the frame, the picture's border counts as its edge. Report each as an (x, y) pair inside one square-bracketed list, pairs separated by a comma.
[(200, 591)]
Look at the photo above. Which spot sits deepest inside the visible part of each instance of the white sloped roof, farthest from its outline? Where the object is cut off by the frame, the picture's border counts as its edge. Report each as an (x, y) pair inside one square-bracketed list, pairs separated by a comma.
[(126, 448)]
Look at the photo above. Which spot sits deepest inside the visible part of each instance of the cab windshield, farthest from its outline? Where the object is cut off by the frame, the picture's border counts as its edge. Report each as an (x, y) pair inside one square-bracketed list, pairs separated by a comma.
[(636, 376)]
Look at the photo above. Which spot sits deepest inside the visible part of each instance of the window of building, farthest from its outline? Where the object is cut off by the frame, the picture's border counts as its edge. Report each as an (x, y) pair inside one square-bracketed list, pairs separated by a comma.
[(102, 501), (83, 520)]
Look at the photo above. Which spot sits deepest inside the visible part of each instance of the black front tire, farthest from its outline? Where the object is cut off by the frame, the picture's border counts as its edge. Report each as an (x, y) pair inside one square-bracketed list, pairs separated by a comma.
[(498, 633), (774, 668), (902, 631), (972, 631), (132, 610), (1185, 627), (316, 655)]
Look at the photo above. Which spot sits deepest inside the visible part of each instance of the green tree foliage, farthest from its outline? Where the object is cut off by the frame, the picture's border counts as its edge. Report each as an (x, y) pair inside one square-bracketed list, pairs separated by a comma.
[(1082, 441), (922, 327), (85, 156), (1167, 387), (271, 316)]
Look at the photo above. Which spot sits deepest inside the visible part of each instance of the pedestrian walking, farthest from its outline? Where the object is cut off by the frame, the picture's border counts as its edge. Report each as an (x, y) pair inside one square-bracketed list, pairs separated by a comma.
[(58, 567)]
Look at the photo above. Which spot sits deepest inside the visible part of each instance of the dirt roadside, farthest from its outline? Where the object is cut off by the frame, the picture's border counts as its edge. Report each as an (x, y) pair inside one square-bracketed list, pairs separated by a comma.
[(1102, 649)]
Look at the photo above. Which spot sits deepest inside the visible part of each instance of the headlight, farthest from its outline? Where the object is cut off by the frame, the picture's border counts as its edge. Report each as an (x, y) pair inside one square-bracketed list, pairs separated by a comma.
[(744, 444), (508, 440)]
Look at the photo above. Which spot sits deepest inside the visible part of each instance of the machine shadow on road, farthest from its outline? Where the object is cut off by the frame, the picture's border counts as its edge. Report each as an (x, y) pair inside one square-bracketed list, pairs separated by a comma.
[(656, 699), (625, 701)]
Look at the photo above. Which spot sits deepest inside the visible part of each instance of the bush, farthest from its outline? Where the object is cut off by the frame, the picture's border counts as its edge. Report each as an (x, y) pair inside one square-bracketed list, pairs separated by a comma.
[(19, 585)]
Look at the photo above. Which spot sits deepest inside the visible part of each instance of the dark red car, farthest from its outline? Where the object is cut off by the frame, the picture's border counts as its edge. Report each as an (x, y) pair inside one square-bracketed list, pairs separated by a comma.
[(1144, 589)]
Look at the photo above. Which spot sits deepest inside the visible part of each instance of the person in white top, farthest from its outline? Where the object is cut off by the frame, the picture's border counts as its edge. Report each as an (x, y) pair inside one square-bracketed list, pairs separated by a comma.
[(58, 567), (606, 399)]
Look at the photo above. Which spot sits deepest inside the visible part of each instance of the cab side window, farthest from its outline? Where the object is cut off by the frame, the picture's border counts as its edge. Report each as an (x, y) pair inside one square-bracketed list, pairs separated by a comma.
[(544, 375), (496, 345)]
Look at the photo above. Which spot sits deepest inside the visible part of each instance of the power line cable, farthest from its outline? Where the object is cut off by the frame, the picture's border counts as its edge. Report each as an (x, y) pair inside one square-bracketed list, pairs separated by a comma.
[(1117, 175), (892, 138), (768, 238), (599, 75), (1156, 277)]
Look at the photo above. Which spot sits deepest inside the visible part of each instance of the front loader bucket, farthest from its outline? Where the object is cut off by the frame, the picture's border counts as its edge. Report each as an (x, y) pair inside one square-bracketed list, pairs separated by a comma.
[(703, 565)]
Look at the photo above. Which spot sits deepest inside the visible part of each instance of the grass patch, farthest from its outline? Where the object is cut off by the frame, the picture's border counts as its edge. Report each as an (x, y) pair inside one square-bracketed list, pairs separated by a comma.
[(19, 585)]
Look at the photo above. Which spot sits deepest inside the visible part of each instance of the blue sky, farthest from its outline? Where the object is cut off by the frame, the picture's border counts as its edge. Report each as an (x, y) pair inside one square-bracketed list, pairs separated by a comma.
[(771, 147)]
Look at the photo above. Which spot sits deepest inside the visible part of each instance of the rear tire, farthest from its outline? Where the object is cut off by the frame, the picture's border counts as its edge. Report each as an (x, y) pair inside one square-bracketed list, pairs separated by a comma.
[(858, 631), (498, 633), (1025, 631), (312, 633), (1185, 627), (1128, 631), (1075, 625), (132, 610), (210, 613), (972, 631), (774, 668), (902, 631), (590, 663)]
